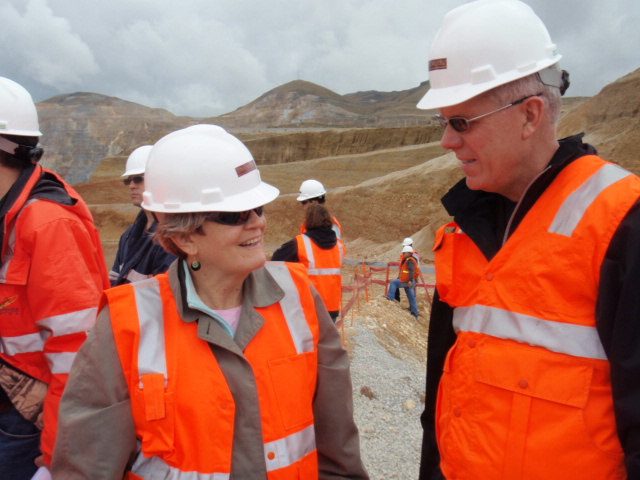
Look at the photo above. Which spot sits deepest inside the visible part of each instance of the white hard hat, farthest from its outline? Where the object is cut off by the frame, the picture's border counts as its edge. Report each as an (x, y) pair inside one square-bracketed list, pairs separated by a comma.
[(311, 189), (18, 114), (482, 45), (203, 169), (407, 241), (407, 249), (137, 161)]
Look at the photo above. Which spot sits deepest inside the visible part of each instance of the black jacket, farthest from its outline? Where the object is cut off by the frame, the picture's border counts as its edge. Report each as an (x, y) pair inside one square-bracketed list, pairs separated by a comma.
[(137, 252), (484, 217)]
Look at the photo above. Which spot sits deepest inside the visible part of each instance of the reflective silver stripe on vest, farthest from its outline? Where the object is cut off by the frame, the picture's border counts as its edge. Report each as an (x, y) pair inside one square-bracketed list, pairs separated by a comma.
[(151, 353), (576, 204), (575, 340), (336, 229), (155, 467), (134, 276), (292, 308), (60, 362), (34, 342), (312, 261), (73, 322), (290, 449)]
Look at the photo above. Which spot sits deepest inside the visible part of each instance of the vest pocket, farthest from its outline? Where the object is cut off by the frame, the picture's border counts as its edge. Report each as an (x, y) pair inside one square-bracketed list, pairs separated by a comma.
[(294, 388), (155, 415)]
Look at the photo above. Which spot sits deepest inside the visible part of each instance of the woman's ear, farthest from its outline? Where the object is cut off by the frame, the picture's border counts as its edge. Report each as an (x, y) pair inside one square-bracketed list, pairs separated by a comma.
[(185, 243)]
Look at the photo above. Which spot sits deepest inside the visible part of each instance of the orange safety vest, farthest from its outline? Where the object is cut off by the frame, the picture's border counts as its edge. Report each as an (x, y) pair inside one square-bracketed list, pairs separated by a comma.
[(526, 390), (169, 370), (404, 269), (324, 267), (51, 278), (336, 227)]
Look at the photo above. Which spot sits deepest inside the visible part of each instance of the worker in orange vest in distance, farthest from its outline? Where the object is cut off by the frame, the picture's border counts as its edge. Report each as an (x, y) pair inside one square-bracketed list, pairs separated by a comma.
[(407, 279), (313, 192), (322, 253), (407, 242), (52, 273)]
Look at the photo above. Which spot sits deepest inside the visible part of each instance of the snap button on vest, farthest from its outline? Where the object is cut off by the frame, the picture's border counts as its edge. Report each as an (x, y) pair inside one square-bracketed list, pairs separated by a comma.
[(271, 455), (224, 405), (523, 383), (457, 412), (472, 343), (489, 276)]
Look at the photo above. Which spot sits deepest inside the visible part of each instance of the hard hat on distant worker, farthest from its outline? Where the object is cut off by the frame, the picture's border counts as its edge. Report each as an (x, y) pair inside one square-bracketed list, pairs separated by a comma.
[(407, 241), (18, 114), (407, 249), (203, 168), (311, 189), (137, 161), (485, 44)]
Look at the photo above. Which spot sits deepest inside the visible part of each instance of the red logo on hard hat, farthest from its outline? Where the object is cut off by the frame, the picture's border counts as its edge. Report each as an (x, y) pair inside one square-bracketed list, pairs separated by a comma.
[(246, 168), (438, 64)]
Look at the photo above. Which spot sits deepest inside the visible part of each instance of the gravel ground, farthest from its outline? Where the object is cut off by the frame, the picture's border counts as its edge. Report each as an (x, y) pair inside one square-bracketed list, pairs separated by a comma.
[(389, 422)]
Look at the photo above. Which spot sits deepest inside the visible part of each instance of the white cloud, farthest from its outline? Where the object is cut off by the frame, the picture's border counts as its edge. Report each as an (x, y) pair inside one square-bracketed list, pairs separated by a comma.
[(204, 58)]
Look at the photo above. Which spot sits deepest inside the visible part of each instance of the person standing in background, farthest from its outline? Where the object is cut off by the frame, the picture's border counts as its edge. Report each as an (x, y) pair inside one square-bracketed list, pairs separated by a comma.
[(313, 192), (534, 348), (322, 253), (52, 273), (138, 256)]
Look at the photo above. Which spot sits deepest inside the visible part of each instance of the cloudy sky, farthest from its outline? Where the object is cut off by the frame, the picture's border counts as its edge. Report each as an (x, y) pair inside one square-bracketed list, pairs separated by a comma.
[(208, 57)]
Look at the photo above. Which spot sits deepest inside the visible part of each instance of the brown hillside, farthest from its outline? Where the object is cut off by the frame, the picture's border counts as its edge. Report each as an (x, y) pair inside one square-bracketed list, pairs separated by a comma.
[(611, 121)]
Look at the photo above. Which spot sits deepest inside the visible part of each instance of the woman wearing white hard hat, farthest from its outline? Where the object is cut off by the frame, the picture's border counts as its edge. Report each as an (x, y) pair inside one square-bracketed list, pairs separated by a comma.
[(223, 368)]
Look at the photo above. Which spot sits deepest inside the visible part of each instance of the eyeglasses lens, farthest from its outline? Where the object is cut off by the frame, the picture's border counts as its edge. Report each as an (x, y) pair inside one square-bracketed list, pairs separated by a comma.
[(459, 124), (234, 218), (137, 180)]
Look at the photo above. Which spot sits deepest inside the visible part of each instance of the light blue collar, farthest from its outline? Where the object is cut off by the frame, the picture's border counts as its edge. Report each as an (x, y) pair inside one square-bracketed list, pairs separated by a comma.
[(194, 301)]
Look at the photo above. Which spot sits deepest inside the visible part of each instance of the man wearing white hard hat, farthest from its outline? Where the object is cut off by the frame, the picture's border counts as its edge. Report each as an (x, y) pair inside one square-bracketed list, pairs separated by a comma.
[(312, 191), (536, 303), (52, 272), (138, 256)]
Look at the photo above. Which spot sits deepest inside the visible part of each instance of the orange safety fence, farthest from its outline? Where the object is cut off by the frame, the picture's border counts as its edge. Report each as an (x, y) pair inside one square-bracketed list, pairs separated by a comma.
[(363, 282)]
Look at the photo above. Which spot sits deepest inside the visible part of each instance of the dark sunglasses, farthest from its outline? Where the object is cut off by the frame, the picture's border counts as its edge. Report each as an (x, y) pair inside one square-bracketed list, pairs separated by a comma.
[(233, 218), (462, 125), (138, 179)]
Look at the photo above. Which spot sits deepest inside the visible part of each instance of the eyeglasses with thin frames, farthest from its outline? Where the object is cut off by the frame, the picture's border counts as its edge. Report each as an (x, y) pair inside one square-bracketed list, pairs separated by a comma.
[(463, 125), (233, 218), (138, 179)]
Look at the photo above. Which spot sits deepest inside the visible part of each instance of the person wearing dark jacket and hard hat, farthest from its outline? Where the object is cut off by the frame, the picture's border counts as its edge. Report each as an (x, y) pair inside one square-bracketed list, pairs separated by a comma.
[(312, 192), (52, 273), (533, 362), (226, 367), (322, 253), (138, 256)]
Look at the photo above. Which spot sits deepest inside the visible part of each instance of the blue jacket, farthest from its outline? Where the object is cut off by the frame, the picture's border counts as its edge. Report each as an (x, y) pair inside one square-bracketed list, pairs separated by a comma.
[(138, 256)]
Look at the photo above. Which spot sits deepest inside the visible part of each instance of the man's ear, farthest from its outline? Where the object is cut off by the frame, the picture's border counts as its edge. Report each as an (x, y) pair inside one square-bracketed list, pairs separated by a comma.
[(185, 243), (534, 110)]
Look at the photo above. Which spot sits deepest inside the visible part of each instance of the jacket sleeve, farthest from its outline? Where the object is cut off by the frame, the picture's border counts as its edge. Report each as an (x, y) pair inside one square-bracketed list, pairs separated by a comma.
[(337, 437), (63, 289), (96, 436), (288, 252), (441, 339), (618, 317)]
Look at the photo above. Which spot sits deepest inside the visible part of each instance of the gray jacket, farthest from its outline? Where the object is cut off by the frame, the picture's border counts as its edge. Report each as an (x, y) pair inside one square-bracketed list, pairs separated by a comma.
[(96, 436)]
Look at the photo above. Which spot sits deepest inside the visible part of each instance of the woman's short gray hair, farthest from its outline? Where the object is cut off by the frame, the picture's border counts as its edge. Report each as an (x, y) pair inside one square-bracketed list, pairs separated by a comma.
[(531, 85), (173, 225)]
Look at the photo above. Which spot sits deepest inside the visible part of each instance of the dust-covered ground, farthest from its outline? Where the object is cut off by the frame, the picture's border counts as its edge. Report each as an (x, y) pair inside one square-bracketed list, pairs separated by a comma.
[(388, 353)]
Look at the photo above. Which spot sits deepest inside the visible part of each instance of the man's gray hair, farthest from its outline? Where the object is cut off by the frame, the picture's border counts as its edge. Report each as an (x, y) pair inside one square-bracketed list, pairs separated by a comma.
[(531, 85)]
